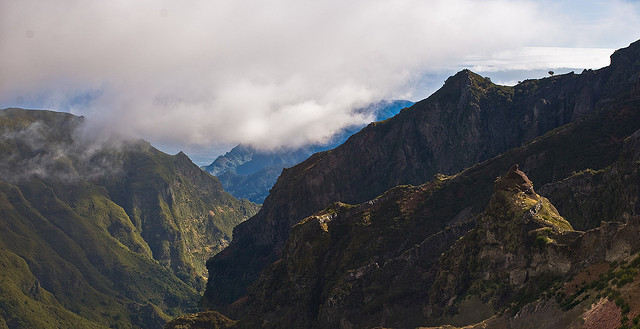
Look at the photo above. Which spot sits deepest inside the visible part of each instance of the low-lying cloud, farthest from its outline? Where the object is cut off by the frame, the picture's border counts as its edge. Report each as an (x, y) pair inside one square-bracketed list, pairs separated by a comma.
[(69, 153), (268, 73)]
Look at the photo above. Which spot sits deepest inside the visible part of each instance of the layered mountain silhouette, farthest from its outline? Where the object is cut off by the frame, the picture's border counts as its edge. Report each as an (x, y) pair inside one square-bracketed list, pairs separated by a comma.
[(102, 231), (249, 173), (343, 240)]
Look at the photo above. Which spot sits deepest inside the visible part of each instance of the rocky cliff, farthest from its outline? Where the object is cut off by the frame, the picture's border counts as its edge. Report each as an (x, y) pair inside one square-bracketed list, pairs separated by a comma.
[(101, 231), (391, 262), (469, 120)]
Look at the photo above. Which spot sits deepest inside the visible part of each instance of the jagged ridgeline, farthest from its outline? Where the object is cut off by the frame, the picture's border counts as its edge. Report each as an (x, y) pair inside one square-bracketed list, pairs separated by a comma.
[(410, 258), (450, 251), (582, 119), (101, 231)]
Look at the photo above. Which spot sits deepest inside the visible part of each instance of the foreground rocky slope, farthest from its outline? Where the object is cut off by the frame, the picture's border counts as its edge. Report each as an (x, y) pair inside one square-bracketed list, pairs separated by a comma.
[(101, 232), (467, 121), (396, 262)]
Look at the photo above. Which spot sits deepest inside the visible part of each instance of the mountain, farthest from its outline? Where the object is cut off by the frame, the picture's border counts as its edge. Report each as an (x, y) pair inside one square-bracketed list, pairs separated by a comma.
[(363, 266), (469, 250), (249, 173), (582, 119), (102, 231)]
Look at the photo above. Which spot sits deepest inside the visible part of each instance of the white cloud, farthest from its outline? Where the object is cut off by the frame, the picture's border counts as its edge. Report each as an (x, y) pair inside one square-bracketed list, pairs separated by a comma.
[(536, 58), (271, 73)]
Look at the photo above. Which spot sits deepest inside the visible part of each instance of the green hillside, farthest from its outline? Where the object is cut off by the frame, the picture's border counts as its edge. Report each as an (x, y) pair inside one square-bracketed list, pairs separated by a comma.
[(102, 231)]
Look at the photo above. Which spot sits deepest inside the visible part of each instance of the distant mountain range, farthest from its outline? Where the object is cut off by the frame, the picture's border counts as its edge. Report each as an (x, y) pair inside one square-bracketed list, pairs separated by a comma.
[(406, 224), (101, 231), (248, 173)]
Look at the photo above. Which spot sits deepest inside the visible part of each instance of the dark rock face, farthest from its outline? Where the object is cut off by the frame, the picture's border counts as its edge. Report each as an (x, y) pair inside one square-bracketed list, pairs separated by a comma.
[(371, 266), (341, 263), (509, 248), (515, 180), (613, 193), (467, 121)]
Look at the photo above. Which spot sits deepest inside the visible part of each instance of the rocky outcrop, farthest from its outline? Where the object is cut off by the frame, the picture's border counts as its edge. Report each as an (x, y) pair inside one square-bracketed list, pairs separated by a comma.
[(467, 121), (515, 180), (341, 265), (517, 240), (389, 263), (204, 320)]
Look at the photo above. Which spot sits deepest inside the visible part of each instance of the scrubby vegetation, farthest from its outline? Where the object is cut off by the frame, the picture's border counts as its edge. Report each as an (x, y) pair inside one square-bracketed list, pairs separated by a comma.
[(107, 233)]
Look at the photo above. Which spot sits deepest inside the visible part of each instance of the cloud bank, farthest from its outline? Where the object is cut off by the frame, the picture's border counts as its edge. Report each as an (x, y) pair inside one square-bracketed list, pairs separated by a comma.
[(273, 74), (42, 151)]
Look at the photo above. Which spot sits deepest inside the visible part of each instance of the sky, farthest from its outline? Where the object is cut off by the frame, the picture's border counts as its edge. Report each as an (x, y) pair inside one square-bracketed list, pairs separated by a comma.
[(204, 75)]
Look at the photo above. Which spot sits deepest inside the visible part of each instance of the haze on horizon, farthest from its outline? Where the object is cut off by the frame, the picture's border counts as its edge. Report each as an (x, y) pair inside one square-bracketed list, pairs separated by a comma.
[(204, 75)]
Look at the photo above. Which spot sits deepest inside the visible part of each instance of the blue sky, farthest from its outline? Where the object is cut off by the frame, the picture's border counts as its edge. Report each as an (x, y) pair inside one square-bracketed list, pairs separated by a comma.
[(202, 76)]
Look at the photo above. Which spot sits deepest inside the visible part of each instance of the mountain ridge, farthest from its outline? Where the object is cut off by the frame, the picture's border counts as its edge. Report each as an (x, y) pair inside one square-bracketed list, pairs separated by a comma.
[(379, 263), (467, 121), (99, 227)]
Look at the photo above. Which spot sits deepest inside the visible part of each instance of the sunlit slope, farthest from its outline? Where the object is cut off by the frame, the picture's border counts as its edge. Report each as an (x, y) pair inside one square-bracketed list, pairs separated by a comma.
[(111, 230)]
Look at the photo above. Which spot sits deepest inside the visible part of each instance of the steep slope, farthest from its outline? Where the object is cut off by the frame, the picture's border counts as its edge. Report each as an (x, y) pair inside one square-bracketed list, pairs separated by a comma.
[(102, 231), (182, 213), (335, 271), (249, 173), (515, 247), (612, 193), (394, 262), (24, 304), (467, 121)]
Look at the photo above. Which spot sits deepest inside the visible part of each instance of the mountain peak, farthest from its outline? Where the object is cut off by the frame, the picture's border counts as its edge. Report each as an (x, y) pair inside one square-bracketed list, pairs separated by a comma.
[(514, 200), (465, 76), (465, 84), (515, 180)]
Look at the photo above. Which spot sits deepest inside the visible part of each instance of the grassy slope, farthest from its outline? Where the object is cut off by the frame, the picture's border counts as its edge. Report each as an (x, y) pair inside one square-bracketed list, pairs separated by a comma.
[(25, 304), (112, 234), (89, 272)]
